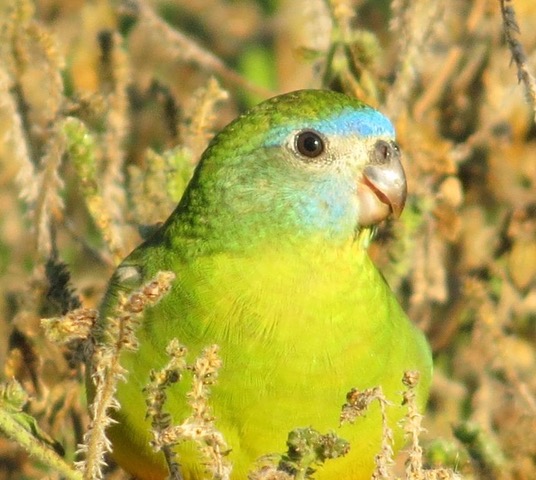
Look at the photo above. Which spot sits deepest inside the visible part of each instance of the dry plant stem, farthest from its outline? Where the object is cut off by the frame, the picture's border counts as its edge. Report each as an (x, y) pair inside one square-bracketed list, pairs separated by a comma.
[(74, 325), (114, 63), (82, 149), (189, 51), (412, 426), (413, 24), (511, 31), (357, 404), (199, 427), (34, 447), (16, 135), (156, 396), (96, 443), (49, 204), (495, 328), (26, 42), (198, 131), (449, 67), (205, 371), (89, 250), (343, 12), (384, 460), (355, 74), (118, 335), (173, 466), (434, 91)]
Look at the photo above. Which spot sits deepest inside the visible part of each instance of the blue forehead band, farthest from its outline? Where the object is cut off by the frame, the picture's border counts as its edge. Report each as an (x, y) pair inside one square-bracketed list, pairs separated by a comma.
[(364, 122)]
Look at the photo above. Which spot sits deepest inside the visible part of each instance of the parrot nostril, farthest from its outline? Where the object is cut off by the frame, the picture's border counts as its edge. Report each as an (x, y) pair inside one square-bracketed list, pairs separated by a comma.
[(384, 152)]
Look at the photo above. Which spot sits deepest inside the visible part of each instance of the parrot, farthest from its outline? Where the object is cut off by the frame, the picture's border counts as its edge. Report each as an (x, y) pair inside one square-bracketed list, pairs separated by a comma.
[(269, 247)]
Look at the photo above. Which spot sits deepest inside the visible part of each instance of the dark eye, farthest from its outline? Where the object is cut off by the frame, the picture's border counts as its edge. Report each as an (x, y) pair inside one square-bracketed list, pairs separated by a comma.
[(310, 144)]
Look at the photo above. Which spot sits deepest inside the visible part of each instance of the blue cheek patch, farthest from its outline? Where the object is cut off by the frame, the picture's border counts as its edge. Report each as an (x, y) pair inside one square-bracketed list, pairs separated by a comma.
[(327, 208)]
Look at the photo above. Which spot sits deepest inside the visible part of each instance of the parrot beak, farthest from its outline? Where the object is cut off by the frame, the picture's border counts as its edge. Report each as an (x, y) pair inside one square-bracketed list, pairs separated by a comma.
[(382, 190)]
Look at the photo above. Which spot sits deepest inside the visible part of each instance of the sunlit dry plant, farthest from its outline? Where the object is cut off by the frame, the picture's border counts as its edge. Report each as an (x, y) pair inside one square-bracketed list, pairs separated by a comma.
[(104, 110), (30, 54), (511, 32), (117, 333), (199, 427)]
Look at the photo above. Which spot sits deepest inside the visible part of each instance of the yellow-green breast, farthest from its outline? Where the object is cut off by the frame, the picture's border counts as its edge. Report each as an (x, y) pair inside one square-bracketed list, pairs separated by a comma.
[(296, 333)]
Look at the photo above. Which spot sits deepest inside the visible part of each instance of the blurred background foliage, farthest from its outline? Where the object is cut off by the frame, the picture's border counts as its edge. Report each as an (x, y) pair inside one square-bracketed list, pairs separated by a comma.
[(105, 107)]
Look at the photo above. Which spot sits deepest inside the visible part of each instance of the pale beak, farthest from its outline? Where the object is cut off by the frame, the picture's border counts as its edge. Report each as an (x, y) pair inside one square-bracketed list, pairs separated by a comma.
[(383, 188)]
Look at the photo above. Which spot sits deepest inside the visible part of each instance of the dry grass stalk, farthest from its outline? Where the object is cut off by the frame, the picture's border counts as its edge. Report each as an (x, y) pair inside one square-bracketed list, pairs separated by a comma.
[(113, 337), (511, 32), (83, 150), (115, 76), (182, 48), (198, 427), (413, 24), (74, 325), (200, 124), (30, 50)]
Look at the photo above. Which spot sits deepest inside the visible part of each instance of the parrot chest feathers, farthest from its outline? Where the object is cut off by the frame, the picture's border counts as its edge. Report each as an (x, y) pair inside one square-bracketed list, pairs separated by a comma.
[(312, 312), (296, 331)]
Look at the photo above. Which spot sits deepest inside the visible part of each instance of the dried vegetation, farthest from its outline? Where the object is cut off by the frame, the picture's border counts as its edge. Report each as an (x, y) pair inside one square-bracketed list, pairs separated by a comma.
[(105, 108)]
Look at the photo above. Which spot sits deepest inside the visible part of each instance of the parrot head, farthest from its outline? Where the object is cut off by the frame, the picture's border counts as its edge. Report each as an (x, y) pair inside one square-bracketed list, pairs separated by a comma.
[(306, 163)]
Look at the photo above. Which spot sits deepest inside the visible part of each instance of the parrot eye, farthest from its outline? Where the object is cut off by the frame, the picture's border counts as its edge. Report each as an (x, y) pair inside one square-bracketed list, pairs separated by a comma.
[(309, 144)]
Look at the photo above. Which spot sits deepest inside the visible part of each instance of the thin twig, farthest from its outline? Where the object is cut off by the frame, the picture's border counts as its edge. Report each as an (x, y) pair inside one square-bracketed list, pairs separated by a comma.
[(511, 31), (187, 50)]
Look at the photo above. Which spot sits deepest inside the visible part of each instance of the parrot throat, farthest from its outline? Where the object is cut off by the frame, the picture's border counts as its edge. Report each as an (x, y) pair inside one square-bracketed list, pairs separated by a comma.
[(195, 229), (215, 217)]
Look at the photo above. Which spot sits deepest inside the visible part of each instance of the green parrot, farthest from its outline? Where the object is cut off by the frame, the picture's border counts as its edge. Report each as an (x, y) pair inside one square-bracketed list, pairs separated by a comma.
[(269, 248)]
